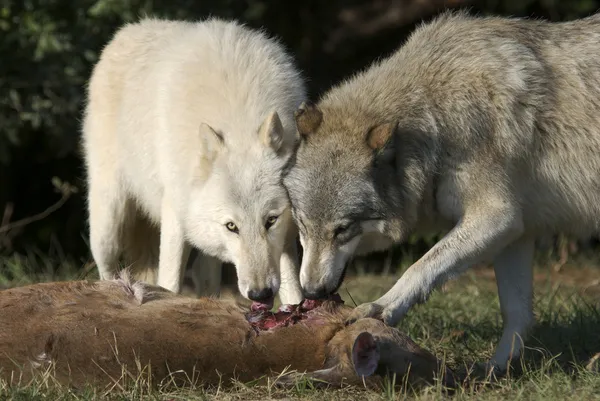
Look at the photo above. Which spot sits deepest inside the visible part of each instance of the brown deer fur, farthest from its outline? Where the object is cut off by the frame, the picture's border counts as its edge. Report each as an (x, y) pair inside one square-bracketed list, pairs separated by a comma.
[(93, 332)]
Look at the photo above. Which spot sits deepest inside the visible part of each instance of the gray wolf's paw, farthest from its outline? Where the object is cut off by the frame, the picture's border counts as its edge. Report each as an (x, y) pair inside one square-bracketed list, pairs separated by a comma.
[(370, 309)]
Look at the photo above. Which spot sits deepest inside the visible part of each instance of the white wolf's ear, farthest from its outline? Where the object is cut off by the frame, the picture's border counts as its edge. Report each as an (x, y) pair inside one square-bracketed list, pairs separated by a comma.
[(365, 354), (212, 141), (271, 132), (308, 118)]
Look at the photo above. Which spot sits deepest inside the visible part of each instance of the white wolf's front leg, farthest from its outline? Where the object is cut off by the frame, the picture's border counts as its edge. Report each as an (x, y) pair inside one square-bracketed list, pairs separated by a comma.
[(172, 247), (514, 277), (473, 239), (107, 211), (290, 291)]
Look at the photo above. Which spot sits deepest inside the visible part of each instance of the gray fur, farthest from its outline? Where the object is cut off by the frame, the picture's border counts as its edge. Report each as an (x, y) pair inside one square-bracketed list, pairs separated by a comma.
[(497, 140)]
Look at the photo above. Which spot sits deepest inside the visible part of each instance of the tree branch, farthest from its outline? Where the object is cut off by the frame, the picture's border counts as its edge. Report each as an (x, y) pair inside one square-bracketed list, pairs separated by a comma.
[(64, 188)]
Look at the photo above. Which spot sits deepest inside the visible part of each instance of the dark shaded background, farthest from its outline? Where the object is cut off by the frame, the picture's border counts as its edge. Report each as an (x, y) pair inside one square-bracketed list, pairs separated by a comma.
[(48, 47)]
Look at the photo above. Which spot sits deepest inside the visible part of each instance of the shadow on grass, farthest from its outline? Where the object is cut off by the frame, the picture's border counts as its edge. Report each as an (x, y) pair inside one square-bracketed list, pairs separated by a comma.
[(570, 333), (464, 328), (566, 333)]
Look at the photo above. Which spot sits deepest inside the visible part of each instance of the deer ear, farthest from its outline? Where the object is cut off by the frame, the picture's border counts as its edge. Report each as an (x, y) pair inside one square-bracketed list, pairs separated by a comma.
[(308, 118), (212, 141), (365, 354)]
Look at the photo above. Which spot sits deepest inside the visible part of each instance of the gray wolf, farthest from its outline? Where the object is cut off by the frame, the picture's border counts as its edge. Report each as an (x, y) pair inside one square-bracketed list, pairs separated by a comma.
[(188, 126), (485, 130)]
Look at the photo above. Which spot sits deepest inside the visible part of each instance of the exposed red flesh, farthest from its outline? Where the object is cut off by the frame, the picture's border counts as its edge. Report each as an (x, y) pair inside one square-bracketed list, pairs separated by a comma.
[(263, 319)]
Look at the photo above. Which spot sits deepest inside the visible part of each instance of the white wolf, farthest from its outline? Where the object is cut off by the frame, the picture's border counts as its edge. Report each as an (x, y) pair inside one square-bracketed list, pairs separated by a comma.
[(190, 125)]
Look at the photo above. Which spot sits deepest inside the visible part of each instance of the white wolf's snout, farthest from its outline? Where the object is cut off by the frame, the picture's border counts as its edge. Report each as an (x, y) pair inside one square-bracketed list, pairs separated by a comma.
[(259, 292), (258, 279)]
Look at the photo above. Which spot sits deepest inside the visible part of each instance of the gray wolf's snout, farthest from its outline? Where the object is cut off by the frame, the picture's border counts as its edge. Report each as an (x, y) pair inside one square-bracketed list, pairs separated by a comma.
[(315, 293)]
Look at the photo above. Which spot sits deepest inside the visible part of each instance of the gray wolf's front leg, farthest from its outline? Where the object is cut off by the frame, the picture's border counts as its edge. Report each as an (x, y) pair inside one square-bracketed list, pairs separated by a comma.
[(477, 236)]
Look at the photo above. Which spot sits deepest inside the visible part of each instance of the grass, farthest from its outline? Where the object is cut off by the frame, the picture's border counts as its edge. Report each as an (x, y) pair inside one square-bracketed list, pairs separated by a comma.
[(460, 323)]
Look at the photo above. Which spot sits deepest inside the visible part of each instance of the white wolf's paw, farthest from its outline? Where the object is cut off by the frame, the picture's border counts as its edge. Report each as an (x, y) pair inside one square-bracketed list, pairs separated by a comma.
[(370, 309)]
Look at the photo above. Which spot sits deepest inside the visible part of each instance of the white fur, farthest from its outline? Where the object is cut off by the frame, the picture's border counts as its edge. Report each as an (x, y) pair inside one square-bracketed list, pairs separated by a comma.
[(193, 123)]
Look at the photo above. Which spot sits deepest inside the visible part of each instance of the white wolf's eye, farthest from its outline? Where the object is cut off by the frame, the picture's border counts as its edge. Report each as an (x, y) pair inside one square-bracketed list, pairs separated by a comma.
[(270, 221), (232, 227)]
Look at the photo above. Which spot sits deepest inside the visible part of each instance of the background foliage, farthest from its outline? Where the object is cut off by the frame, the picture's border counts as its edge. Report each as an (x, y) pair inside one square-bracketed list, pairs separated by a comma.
[(48, 47)]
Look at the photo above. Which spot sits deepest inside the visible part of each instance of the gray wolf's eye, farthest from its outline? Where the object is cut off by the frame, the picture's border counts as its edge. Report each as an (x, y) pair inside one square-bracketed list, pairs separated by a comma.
[(341, 229), (232, 227), (270, 221)]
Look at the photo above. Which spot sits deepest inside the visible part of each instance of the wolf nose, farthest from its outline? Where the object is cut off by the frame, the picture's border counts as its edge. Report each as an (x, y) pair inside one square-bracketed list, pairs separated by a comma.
[(260, 295), (316, 293)]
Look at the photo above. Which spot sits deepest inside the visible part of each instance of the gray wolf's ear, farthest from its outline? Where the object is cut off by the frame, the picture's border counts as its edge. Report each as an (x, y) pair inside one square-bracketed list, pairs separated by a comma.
[(212, 141), (380, 135), (271, 132), (308, 118), (365, 354), (381, 139)]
